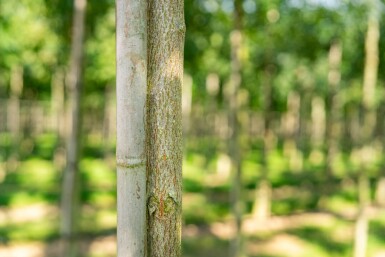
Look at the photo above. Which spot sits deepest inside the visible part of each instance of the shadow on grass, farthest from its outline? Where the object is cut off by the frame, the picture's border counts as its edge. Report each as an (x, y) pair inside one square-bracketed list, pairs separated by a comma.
[(377, 230), (205, 246), (322, 239), (264, 255)]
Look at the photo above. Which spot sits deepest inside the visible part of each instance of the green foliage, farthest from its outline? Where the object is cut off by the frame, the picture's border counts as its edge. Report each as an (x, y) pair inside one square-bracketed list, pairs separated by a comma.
[(285, 46)]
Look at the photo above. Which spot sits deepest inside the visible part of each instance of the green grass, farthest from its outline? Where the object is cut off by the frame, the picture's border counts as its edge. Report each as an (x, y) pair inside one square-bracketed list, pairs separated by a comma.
[(206, 197)]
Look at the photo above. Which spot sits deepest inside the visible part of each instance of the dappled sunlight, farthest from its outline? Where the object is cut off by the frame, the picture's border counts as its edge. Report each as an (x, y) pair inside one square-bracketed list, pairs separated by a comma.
[(280, 245), (20, 250), (283, 119), (27, 213), (104, 246)]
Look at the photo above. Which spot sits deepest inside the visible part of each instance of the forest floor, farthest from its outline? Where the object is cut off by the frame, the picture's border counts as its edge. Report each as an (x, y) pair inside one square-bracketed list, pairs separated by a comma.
[(305, 221), (278, 236)]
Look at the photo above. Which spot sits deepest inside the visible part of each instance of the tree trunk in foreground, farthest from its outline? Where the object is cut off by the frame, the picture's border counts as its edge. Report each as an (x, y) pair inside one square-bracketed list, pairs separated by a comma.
[(70, 187), (166, 31), (131, 83)]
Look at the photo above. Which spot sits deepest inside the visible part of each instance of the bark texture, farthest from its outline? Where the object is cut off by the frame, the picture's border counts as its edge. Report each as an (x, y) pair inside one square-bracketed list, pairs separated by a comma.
[(70, 187), (131, 84), (166, 31)]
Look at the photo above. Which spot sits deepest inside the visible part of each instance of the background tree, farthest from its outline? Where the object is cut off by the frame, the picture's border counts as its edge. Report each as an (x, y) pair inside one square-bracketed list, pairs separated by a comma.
[(368, 126), (70, 202), (234, 126)]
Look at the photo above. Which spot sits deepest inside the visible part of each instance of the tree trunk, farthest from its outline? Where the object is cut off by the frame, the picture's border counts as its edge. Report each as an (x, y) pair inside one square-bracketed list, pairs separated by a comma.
[(166, 32), (57, 103), (14, 115), (58, 116), (317, 129), (302, 136), (367, 129), (333, 114), (131, 85), (234, 85), (262, 204), (362, 221), (70, 209), (291, 128)]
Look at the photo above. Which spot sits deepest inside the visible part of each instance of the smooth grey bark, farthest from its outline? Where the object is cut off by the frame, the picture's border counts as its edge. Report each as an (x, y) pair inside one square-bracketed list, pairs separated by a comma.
[(166, 32), (131, 84), (70, 209)]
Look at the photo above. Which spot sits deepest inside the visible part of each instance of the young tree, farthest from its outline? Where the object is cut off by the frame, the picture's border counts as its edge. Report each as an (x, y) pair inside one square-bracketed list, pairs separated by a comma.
[(333, 114), (262, 203), (70, 185), (234, 86), (367, 129), (14, 113), (166, 32), (131, 80)]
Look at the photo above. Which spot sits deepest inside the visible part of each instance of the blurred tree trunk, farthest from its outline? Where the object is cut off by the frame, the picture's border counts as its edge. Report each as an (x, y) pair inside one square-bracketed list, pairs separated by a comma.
[(14, 114), (318, 122), (166, 33), (210, 106), (291, 127), (367, 129), (303, 133), (380, 186), (58, 116), (131, 86), (234, 151), (70, 201), (212, 89), (57, 103), (262, 204), (333, 104)]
